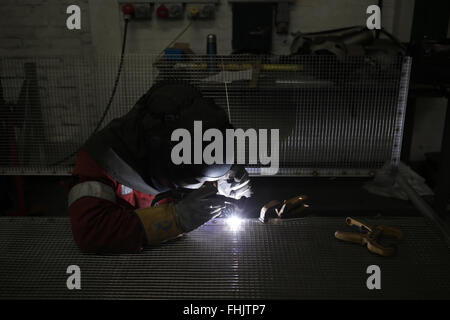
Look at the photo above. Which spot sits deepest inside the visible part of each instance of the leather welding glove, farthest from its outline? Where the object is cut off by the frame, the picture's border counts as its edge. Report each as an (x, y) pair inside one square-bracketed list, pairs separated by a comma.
[(198, 207), (235, 184)]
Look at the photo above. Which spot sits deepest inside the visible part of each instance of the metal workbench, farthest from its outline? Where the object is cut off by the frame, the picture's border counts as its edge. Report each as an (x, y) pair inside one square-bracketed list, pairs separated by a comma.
[(294, 259)]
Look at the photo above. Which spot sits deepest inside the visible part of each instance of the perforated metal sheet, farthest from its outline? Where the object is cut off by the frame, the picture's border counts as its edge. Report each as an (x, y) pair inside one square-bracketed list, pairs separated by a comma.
[(298, 259), (336, 116)]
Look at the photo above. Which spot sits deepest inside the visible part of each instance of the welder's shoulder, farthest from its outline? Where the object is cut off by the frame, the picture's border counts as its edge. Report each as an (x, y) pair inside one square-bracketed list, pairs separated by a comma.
[(86, 169)]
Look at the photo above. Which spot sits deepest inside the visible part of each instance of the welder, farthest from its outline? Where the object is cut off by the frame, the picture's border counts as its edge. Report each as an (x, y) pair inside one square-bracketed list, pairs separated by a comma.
[(122, 168)]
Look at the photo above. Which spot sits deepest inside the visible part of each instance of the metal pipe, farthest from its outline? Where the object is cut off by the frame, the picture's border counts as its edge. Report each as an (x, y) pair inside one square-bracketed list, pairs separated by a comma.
[(424, 208)]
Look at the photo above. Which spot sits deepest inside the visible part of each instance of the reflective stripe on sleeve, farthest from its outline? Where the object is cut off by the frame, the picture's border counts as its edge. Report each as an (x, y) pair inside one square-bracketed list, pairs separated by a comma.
[(91, 189)]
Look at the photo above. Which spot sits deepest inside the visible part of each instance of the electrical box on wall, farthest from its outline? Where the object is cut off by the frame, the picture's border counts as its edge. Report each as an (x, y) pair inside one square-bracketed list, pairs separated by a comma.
[(168, 9), (136, 10), (142, 11), (201, 10)]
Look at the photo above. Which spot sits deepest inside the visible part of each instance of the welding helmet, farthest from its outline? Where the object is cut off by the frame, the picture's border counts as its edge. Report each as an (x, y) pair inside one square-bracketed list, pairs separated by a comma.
[(181, 112), (194, 176), (135, 149)]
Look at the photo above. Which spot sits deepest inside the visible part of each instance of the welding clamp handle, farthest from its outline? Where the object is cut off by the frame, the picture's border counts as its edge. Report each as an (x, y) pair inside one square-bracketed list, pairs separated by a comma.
[(350, 237), (390, 231), (377, 248), (364, 239), (353, 222)]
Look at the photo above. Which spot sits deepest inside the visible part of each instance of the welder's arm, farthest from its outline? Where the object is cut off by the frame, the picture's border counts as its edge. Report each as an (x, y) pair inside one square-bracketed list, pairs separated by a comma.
[(198, 207), (160, 223), (169, 220), (103, 226)]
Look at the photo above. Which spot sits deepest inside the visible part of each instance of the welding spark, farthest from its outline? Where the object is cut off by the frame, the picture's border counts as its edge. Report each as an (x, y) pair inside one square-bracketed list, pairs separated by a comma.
[(234, 223)]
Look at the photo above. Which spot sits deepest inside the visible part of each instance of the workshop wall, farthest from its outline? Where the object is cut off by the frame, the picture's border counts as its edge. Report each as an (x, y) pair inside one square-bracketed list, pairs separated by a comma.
[(36, 27), (305, 15), (429, 122), (33, 27), (428, 127)]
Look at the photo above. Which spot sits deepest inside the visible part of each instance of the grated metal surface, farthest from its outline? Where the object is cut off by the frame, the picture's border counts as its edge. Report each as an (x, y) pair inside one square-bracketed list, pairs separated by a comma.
[(298, 259), (336, 116)]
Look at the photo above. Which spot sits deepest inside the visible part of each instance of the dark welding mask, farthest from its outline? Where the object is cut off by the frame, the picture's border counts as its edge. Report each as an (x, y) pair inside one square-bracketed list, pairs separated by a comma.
[(136, 148)]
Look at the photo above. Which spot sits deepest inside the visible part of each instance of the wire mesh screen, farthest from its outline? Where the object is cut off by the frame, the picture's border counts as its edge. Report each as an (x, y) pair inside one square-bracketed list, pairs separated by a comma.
[(336, 116), (284, 259)]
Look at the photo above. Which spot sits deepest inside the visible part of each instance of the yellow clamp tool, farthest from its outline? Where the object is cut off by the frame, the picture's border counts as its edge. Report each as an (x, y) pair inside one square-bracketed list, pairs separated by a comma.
[(370, 236)]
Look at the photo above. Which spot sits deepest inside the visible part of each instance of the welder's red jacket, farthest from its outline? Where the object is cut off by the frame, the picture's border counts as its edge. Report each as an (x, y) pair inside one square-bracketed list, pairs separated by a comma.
[(121, 226)]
